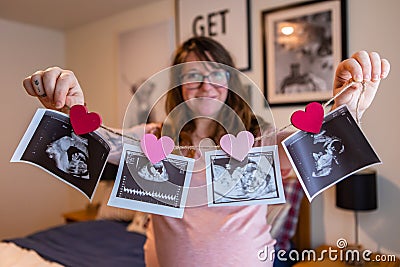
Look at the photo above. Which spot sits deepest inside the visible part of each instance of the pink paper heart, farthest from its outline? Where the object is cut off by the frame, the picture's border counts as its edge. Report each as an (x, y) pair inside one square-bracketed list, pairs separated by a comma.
[(237, 147), (309, 120), (83, 121), (156, 150)]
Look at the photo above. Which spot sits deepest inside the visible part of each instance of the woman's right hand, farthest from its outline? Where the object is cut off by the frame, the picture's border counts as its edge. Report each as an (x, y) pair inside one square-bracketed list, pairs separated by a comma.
[(56, 88)]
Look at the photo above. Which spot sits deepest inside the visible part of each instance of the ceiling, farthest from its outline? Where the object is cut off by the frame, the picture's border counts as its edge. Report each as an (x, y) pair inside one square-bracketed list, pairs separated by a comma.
[(64, 14)]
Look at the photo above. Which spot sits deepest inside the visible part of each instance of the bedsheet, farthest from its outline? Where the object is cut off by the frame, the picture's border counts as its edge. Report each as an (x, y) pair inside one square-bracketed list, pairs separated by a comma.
[(93, 243), (13, 255)]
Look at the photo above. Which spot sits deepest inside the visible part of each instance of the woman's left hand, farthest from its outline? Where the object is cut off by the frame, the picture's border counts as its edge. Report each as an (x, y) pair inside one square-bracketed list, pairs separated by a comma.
[(361, 67)]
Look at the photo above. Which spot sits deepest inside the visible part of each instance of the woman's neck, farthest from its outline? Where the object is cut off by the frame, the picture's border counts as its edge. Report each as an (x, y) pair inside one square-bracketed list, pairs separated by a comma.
[(204, 128)]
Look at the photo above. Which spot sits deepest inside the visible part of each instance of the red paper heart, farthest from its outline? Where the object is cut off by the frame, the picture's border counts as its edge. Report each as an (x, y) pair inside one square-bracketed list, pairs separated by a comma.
[(309, 120), (82, 121)]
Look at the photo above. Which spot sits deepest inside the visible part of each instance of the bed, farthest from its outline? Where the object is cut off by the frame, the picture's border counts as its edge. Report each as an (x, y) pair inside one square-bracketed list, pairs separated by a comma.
[(91, 243), (116, 237)]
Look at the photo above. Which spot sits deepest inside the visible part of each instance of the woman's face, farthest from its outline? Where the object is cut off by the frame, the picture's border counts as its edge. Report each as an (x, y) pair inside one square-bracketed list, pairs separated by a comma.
[(204, 88)]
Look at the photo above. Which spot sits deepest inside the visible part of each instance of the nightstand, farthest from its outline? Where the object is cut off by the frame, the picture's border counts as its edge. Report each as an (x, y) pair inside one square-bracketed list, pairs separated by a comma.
[(377, 260), (87, 214)]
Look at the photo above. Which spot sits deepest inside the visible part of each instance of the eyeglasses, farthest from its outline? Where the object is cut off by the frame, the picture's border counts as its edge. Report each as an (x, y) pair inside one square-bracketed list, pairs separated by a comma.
[(193, 80)]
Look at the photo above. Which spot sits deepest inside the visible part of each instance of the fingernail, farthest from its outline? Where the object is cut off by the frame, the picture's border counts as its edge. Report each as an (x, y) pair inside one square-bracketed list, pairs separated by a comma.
[(375, 77), (59, 104), (367, 77), (383, 75), (358, 78)]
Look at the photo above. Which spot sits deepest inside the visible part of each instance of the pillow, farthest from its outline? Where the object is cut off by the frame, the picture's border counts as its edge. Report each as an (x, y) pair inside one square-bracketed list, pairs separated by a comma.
[(112, 213), (276, 217)]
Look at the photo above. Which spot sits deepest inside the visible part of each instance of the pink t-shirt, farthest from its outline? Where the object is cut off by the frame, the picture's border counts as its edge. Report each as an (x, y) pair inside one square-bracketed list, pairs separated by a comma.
[(209, 236), (205, 236)]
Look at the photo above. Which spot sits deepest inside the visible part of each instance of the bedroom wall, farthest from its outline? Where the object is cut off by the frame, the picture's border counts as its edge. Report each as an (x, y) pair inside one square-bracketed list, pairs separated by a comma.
[(30, 199), (92, 53)]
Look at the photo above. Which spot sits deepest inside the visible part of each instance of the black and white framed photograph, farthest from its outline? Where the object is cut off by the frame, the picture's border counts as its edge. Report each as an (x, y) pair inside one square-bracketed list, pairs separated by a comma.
[(51, 144), (302, 45), (255, 180), (228, 22), (159, 188), (337, 151)]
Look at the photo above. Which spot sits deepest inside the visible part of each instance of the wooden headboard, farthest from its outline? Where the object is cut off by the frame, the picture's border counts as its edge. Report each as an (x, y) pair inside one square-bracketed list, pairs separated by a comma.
[(302, 237)]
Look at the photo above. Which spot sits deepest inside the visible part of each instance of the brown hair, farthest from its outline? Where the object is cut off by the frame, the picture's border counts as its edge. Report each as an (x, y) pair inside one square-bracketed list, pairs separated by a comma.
[(181, 126)]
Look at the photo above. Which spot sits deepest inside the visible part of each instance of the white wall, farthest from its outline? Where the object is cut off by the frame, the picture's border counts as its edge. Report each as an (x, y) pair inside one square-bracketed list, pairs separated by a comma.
[(29, 198), (91, 53)]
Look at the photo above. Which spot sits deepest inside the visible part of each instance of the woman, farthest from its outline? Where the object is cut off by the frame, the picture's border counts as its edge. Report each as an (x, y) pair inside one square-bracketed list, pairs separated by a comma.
[(211, 236)]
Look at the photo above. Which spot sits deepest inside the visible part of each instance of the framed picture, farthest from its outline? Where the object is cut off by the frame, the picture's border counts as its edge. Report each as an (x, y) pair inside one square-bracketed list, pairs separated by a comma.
[(228, 22), (302, 45)]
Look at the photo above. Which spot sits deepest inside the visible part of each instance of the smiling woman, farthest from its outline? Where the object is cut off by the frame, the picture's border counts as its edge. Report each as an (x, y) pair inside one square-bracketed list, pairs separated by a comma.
[(201, 56), (197, 92)]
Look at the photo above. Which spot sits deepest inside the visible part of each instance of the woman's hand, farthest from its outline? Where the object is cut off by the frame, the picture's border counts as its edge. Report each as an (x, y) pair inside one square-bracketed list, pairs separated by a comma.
[(56, 88), (362, 67)]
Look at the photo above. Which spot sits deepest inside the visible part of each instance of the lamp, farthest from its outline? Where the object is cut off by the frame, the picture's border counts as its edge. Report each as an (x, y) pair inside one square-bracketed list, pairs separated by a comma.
[(357, 193)]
